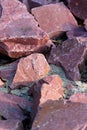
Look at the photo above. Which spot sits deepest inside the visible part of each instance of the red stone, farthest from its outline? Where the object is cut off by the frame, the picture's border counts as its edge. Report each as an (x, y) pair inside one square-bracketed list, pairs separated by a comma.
[(54, 18), (79, 8), (1, 83), (71, 55), (13, 107), (79, 97), (17, 38), (29, 69), (11, 124), (59, 116), (46, 90)]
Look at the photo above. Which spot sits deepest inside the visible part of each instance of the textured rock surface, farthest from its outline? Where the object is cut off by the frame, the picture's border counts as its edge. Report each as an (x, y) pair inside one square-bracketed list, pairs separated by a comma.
[(17, 38), (29, 69), (7, 72), (12, 107), (78, 8), (71, 55), (46, 90), (79, 97), (52, 21), (11, 125), (59, 116)]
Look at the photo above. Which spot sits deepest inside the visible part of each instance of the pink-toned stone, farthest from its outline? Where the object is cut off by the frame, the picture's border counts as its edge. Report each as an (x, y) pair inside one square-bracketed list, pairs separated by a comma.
[(46, 90), (79, 97), (17, 38), (61, 116), (78, 8), (13, 107), (56, 18), (1, 83), (11, 125), (29, 69), (71, 55)]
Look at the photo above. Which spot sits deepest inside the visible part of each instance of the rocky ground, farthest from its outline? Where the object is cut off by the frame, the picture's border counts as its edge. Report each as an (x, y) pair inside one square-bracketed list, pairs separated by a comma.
[(43, 64)]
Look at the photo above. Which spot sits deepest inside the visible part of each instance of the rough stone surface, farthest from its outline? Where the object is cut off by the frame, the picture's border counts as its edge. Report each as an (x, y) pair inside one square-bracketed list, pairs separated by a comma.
[(17, 38), (79, 8), (29, 69), (11, 125), (52, 21), (79, 97), (59, 116), (7, 71), (47, 89), (71, 55), (12, 107)]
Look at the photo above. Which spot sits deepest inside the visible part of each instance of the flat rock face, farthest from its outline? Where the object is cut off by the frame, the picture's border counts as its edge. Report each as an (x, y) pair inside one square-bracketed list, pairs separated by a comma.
[(60, 116), (29, 69), (11, 106), (46, 90), (79, 97), (79, 8), (17, 38), (11, 125), (52, 21), (71, 56)]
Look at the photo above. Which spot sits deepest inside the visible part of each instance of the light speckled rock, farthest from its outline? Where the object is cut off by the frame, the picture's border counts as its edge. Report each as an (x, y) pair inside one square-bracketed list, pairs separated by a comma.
[(56, 18), (17, 38), (29, 69)]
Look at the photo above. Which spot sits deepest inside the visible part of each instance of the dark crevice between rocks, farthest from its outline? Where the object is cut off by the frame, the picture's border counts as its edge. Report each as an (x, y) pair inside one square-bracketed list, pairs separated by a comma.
[(83, 69), (2, 117), (1, 10), (58, 40)]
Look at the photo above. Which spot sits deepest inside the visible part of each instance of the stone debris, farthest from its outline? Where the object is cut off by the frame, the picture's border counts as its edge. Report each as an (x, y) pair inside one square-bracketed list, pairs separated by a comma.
[(52, 21)]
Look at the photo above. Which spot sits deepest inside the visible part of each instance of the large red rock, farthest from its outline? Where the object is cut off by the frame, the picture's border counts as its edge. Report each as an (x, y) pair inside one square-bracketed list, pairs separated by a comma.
[(71, 55), (11, 125), (47, 89), (78, 8), (13, 107), (29, 69), (57, 115), (79, 97), (54, 18), (17, 38)]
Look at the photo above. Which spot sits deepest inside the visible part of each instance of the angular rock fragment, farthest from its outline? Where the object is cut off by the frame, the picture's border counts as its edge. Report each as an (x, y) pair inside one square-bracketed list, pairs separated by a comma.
[(18, 39), (79, 97), (46, 90), (7, 71), (11, 124), (71, 55), (52, 21), (61, 116), (29, 69), (78, 8), (13, 107)]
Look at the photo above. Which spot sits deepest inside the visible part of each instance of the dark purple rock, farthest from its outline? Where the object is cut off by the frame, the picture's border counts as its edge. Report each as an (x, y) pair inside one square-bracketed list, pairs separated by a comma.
[(71, 55), (78, 8)]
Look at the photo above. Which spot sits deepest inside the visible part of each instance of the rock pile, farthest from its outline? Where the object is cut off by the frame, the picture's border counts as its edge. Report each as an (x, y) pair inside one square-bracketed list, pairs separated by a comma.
[(43, 65)]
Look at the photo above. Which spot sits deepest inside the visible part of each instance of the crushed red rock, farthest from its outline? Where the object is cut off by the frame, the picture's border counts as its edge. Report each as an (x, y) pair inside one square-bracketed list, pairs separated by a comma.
[(29, 69), (17, 38), (51, 20)]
